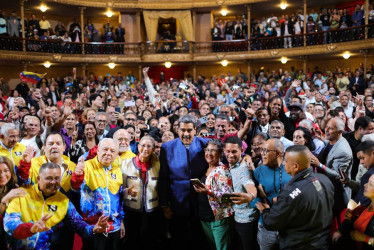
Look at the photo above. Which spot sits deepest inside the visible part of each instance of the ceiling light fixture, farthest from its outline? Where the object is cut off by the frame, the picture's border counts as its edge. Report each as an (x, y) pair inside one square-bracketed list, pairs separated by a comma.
[(224, 63), (284, 59), (43, 7), (109, 13), (111, 65), (168, 65), (47, 64), (283, 5), (224, 12), (346, 55)]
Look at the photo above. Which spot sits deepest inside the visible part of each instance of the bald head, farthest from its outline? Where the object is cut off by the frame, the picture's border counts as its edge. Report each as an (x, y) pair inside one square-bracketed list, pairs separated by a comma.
[(272, 153), (275, 143), (297, 159)]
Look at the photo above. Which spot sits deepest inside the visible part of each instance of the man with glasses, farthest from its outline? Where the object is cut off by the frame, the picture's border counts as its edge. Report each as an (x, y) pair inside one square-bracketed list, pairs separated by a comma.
[(256, 148), (277, 131), (272, 177), (101, 121), (130, 119), (123, 138)]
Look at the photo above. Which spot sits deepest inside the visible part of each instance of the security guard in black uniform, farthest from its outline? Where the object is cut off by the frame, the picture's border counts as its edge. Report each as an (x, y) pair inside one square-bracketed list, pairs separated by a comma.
[(303, 211)]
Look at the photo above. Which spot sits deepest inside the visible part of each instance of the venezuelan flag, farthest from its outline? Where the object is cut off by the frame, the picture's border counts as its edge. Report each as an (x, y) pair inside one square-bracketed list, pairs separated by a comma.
[(31, 77)]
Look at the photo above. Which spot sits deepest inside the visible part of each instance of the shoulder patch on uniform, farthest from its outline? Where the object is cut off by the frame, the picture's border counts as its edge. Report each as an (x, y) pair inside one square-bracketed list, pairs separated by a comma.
[(317, 184), (295, 193), (52, 208)]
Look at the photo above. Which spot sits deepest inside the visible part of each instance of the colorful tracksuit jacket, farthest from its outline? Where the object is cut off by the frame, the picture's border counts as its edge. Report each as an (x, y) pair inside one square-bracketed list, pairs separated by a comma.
[(14, 154), (24, 211), (100, 193), (28, 172)]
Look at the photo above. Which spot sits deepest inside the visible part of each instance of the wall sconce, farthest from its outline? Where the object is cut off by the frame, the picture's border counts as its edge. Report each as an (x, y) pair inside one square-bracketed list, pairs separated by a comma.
[(47, 64), (109, 13), (224, 63), (346, 55), (224, 12), (168, 65), (284, 59), (111, 65), (283, 5)]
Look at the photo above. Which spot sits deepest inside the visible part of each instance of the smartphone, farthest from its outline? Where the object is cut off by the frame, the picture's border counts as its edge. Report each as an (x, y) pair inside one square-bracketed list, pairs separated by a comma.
[(117, 109), (226, 197), (203, 120), (183, 86), (175, 94), (196, 182)]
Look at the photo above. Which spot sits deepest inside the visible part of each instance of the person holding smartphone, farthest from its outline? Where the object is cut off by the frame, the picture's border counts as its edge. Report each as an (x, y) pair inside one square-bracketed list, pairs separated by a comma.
[(216, 216)]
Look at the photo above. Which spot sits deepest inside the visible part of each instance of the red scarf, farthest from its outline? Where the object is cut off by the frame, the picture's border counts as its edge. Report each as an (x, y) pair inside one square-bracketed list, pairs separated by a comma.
[(143, 166)]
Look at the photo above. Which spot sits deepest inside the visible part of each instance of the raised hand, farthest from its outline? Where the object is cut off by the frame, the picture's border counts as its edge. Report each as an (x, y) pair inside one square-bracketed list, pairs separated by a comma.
[(40, 226), (249, 112), (28, 154), (145, 72), (79, 169), (102, 225), (14, 193)]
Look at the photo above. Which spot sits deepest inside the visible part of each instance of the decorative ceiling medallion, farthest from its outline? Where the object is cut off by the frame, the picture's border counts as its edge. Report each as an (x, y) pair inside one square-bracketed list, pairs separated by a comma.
[(113, 58), (220, 2), (274, 52), (331, 47)]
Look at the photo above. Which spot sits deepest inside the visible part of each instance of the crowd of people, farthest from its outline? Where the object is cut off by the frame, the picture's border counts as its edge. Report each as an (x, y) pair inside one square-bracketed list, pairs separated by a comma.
[(287, 31), (269, 161)]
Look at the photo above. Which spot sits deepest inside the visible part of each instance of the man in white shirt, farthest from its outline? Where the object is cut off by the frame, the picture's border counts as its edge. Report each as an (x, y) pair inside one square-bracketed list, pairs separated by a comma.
[(277, 131), (32, 126)]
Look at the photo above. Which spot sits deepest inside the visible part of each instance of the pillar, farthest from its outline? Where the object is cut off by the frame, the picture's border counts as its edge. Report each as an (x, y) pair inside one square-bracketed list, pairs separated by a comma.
[(140, 72), (249, 25), (366, 17), (194, 75), (305, 21), (249, 70), (194, 25), (304, 65), (365, 52), (138, 23), (23, 24), (82, 27), (84, 71)]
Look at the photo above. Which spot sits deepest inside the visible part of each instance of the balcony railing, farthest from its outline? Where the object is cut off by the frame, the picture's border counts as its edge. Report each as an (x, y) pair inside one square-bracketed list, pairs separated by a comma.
[(145, 48)]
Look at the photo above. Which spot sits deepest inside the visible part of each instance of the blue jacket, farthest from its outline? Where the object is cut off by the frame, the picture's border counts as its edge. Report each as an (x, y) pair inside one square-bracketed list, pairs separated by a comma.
[(178, 166)]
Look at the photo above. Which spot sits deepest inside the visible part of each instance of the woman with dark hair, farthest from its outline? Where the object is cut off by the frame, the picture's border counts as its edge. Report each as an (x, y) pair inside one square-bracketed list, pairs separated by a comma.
[(276, 112), (215, 213), (8, 191), (302, 136), (79, 147)]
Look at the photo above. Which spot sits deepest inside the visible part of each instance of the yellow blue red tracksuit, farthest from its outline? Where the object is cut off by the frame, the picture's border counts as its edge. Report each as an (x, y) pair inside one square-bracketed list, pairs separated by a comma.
[(100, 193), (14, 154), (29, 171), (22, 212)]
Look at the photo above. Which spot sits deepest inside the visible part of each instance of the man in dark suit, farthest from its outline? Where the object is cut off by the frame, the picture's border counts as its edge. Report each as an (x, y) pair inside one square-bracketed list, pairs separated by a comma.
[(182, 159), (357, 84), (216, 36), (120, 34)]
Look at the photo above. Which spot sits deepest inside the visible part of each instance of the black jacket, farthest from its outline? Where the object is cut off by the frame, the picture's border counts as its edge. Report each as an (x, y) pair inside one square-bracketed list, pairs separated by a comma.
[(303, 212)]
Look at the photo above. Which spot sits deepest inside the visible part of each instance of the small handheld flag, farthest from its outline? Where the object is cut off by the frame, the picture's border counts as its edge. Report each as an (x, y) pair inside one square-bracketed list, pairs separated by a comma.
[(31, 77)]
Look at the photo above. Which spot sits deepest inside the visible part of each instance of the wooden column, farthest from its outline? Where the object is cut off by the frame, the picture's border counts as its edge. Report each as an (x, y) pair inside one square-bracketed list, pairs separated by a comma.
[(194, 71), (305, 21), (82, 27), (249, 25), (304, 65), (140, 72), (366, 18), (138, 22), (365, 52), (194, 22), (84, 71), (23, 24), (249, 71)]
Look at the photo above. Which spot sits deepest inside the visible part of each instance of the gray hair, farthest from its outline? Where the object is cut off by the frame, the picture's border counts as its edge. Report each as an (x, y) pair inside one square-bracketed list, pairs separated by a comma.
[(278, 144), (218, 143), (187, 119), (101, 113), (106, 140), (277, 122), (49, 165), (6, 127), (150, 138), (308, 124)]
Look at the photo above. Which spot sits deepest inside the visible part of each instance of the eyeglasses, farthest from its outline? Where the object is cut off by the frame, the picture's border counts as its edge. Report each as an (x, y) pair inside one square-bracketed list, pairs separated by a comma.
[(101, 121), (130, 119), (266, 151), (207, 150)]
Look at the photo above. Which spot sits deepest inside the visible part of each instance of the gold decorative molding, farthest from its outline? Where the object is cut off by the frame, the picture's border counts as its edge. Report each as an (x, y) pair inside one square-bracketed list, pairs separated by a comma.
[(156, 5), (207, 56)]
